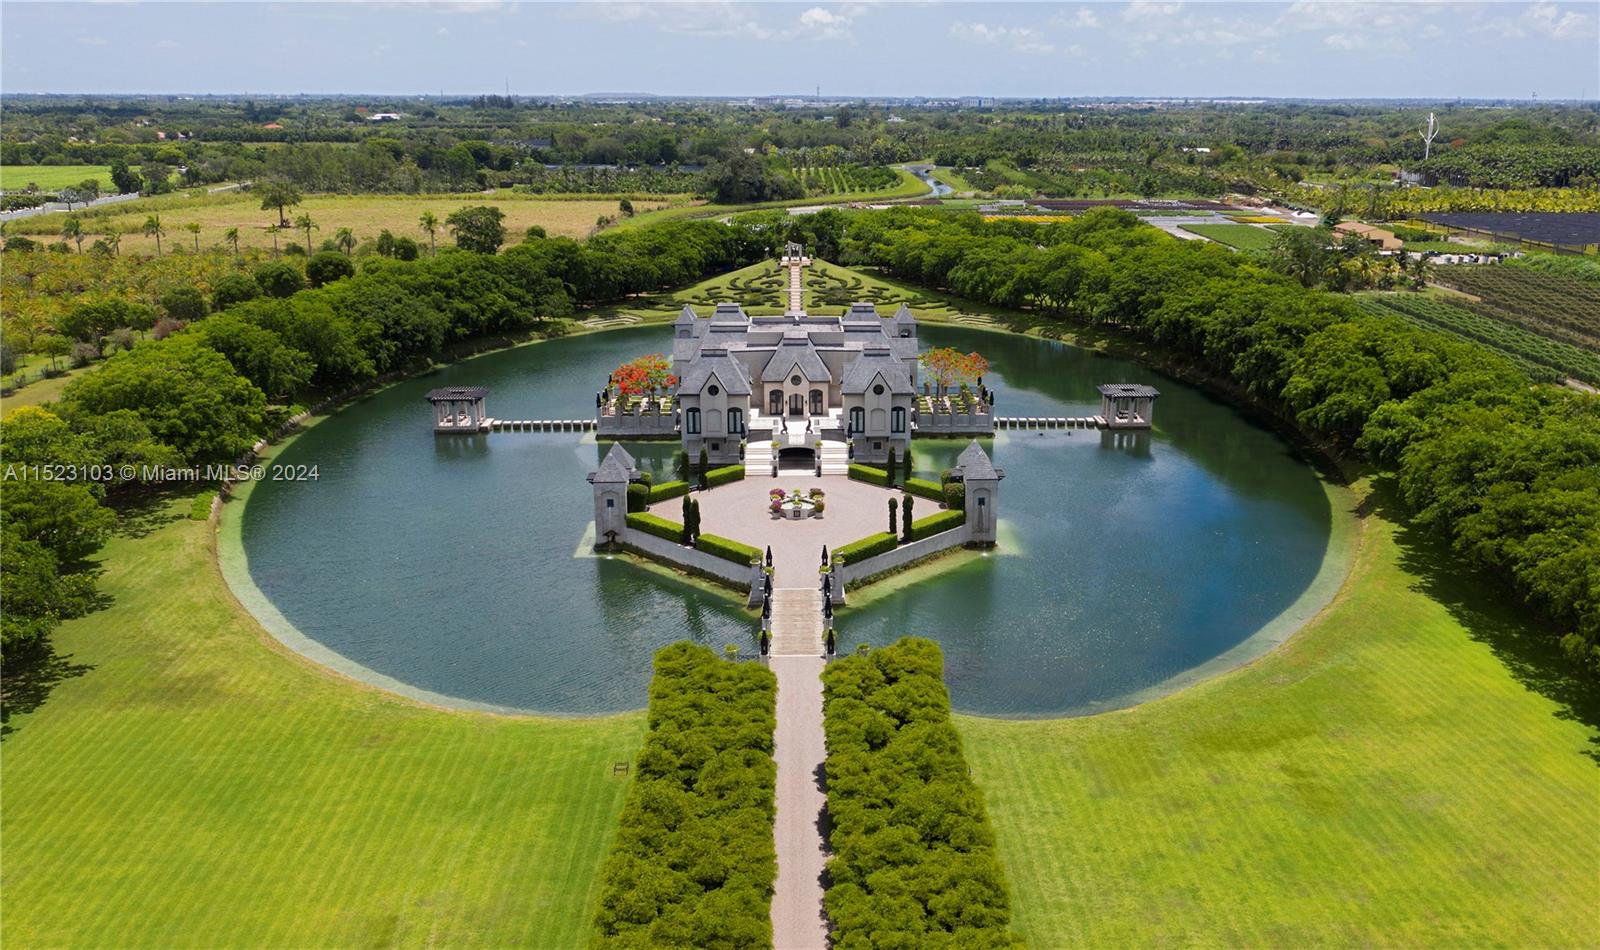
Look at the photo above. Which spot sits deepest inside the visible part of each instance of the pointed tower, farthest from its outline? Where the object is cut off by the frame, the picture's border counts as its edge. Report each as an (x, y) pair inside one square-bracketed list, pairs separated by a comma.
[(611, 494), (982, 482)]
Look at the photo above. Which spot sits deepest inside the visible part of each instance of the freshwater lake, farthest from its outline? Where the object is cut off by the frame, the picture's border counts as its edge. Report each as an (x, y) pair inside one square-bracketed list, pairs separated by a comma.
[(459, 565)]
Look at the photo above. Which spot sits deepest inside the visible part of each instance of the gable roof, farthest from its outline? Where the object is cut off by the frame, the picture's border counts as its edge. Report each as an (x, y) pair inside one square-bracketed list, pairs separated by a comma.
[(715, 361), (796, 351), (686, 316), (1127, 389), (869, 366)]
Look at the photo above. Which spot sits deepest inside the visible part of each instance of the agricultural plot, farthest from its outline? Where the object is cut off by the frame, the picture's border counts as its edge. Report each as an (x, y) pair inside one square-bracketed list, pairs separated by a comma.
[(844, 179), (1240, 237), (1544, 358), (1572, 228), (53, 177), (1552, 305)]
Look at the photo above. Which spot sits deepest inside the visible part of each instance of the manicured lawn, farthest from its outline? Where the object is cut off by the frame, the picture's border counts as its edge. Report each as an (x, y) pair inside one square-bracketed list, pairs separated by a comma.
[(367, 215), (1410, 770), (1243, 237), (53, 177), (188, 783), (39, 391)]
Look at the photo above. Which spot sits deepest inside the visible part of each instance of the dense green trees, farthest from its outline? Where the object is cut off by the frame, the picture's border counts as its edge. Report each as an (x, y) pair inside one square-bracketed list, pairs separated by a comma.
[(1496, 466), (693, 863), (480, 229), (914, 858)]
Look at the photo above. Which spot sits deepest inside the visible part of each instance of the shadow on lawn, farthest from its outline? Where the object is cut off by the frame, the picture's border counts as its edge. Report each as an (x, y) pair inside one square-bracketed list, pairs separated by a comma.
[(27, 683), (1491, 613)]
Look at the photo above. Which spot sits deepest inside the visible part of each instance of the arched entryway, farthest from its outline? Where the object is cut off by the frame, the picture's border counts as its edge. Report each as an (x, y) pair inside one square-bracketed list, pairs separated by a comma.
[(797, 458)]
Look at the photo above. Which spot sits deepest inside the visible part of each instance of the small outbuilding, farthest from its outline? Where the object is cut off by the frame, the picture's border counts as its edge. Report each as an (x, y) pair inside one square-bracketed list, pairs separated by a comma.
[(459, 409), (1127, 405)]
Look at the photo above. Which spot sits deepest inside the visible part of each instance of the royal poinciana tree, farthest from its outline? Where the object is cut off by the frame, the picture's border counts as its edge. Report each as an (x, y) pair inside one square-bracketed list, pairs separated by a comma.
[(948, 365), (647, 374)]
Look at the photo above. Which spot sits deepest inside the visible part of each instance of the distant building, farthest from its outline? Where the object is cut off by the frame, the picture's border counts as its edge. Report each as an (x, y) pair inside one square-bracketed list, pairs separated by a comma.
[(384, 117), (1383, 240)]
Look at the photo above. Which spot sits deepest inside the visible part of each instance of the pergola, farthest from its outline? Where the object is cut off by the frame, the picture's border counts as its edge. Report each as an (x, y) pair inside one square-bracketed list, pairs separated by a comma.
[(1127, 405), (459, 409)]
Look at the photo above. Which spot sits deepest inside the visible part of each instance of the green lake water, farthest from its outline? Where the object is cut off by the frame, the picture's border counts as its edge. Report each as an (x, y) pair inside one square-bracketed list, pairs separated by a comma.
[(458, 564)]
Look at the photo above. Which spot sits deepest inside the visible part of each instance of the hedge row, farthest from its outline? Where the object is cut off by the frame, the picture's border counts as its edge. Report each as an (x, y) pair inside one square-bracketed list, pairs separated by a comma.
[(866, 473), (937, 524), (869, 546), (693, 862), (656, 525), (667, 490), (724, 475), (925, 488), (914, 858), (638, 496), (727, 549)]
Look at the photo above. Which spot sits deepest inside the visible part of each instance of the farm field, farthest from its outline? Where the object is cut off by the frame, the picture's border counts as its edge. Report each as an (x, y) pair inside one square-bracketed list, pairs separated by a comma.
[(1408, 771), (955, 179), (367, 215), (1240, 237), (53, 177), (847, 180), (1572, 228), (1545, 358), (1553, 305), (175, 778)]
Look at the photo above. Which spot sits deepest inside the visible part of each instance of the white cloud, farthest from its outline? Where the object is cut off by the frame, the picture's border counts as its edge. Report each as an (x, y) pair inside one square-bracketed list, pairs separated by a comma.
[(1150, 10), (1087, 19), (1022, 39), (1551, 21), (94, 41), (825, 24)]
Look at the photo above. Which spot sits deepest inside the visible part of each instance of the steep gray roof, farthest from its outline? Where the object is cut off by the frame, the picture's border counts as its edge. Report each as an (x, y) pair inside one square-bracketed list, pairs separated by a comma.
[(617, 466), (796, 352), (869, 365), (904, 315), (973, 462), (1127, 389), (862, 312), (715, 361), (686, 317), (729, 313)]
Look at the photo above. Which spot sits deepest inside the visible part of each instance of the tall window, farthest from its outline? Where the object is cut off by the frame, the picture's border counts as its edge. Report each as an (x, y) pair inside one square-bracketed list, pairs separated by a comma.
[(858, 420), (898, 419), (735, 421), (816, 402), (775, 403), (691, 421)]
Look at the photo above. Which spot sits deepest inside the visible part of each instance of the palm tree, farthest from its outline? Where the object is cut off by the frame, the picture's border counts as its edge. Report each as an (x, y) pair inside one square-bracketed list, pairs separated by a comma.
[(430, 224), (232, 237), (72, 230), (114, 241), (193, 227), (152, 228), (273, 230), (345, 239), (304, 223)]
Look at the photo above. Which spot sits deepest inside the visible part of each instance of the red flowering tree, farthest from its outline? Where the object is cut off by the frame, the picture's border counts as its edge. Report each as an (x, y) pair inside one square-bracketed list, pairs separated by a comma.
[(647, 374), (948, 365)]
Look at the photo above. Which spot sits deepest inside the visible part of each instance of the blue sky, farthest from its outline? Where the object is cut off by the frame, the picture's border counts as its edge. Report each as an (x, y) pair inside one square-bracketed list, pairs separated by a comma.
[(1322, 49)]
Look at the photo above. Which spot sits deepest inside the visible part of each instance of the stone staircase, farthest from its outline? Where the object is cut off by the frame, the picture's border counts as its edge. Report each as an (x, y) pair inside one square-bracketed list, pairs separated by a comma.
[(796, 621), (835, 458), (758, 458)]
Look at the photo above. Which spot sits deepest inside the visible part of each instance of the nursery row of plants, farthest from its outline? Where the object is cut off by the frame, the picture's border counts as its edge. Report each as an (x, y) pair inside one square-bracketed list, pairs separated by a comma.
[(693, 862), (914, 860), (1554, 357), (1551, 304)]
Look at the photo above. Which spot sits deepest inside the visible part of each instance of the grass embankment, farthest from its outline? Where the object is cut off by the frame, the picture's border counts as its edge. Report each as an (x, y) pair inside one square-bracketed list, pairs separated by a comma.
[(366, 215), (53, 177), (186, 782), (1240, 237), (1409, 770)]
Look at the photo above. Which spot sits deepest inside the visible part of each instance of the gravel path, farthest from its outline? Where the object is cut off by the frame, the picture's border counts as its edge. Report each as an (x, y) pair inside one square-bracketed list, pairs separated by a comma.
[(798, 922)]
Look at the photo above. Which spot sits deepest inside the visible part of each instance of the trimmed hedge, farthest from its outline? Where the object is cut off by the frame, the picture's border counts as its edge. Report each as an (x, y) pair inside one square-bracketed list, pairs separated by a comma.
[(914, 860), (638, 496), (727, 549), (724, 475), (667, 490), (693, 862), (936, 524), (656, 525), (866, 473), (925, 488), (955, 496), (869, 546)]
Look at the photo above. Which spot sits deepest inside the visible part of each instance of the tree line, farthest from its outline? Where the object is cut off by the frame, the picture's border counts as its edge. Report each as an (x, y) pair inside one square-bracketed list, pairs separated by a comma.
[(206, 391), (1507, 471)]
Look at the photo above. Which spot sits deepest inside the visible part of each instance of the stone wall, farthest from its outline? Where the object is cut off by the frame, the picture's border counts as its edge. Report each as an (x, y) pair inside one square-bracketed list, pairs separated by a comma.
[(742, 577), (854, 574)]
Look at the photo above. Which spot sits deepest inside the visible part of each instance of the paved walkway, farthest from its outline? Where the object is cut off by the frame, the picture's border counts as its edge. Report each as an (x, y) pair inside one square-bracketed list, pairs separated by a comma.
[(798, 922), (796, 621)]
